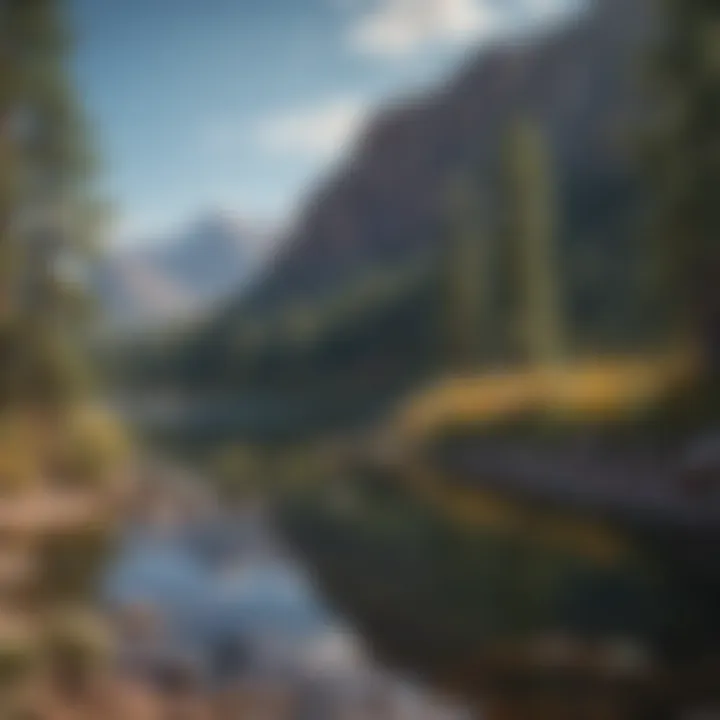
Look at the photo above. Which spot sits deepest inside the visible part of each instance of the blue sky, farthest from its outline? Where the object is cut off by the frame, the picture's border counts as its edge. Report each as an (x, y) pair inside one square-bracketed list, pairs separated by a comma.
[(244, 104)]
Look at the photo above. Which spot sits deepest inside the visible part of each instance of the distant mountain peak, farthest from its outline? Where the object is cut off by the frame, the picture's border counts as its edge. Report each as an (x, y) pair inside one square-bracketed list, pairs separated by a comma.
[(182, 274)]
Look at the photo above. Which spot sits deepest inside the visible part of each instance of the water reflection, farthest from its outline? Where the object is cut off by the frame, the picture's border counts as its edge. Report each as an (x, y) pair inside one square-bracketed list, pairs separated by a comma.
[(216, 599)]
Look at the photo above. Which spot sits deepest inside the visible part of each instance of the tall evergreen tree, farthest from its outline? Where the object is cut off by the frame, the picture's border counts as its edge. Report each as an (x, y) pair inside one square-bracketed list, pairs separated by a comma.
[(467, 314), (9, 180), (47, 210), (530, 236), (685, 166)]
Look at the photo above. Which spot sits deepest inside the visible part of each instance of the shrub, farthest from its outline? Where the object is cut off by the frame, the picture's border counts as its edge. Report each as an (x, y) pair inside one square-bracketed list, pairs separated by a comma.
[(90, 448)]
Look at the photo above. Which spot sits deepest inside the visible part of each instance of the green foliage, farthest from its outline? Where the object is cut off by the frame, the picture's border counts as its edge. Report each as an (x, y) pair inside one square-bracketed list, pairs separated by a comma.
[(531, 237), (684, 167), (502, 274), (91, 449), (467, 321), (48, 214)]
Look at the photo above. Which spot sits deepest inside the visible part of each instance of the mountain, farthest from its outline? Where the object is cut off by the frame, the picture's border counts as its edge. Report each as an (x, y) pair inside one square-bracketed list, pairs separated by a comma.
[(579, 82), (347, 313), (134, 294), (180, 276)]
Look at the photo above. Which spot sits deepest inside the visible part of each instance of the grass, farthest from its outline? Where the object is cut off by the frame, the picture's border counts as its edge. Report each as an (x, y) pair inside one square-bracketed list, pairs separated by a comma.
[(592, 391)]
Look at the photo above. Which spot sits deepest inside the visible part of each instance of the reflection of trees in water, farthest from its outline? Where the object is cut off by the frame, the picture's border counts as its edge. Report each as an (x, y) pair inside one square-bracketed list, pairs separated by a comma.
[(485, 610)]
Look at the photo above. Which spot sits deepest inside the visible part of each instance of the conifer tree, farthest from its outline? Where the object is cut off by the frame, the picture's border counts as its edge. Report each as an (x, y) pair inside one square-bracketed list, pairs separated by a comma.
[(467, 317), (47, 210), (531, 236), (684, 166)]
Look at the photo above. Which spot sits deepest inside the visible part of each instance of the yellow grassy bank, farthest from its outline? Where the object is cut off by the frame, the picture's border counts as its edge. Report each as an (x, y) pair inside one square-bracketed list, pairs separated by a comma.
[(595, 389)]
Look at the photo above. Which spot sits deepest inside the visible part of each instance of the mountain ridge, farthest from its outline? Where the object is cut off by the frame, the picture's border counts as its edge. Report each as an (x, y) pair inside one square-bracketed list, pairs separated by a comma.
[(579, 82), (181, 275)]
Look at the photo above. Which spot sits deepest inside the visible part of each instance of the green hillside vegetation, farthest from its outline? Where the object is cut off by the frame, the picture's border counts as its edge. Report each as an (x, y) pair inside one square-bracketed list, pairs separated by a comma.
[(60, 453)]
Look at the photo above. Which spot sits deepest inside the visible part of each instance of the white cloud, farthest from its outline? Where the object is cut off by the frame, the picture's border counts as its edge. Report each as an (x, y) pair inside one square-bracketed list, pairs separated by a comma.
[(322, 131), (404, 27)]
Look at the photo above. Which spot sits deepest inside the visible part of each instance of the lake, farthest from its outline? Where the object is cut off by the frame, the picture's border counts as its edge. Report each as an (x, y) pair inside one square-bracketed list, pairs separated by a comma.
[(217, 592)]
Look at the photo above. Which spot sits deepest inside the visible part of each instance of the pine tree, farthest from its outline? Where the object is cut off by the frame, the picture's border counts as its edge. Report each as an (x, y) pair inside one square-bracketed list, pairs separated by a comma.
[(9, 177), (684, 167), (530, 236), (467, 316), (47, 210)]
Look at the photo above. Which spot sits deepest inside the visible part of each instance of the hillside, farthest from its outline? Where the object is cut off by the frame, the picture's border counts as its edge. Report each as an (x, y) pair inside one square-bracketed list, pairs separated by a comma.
[(578, 83), (354, 296)]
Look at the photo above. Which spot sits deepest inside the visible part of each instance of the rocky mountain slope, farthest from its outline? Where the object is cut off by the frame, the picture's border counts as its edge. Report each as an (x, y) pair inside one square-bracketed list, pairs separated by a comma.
[(578, 82)]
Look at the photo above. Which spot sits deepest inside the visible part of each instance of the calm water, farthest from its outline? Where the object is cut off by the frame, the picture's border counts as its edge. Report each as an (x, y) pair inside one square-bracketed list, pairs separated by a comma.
[(218, 592)]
